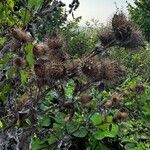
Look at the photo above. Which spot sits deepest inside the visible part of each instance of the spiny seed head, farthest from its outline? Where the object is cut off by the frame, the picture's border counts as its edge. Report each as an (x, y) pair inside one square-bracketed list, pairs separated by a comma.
[(15, 44), (118, 20), (40, 49), (121, 26), (135, 42), (112, 70), (117, 99), (85, 98), (55, 41), (120, 115), (19, 62), (108, 104), (58, 55), (39, 70), (21, 35), (55, 70), (107, 37), (92, 68), (73, 67)]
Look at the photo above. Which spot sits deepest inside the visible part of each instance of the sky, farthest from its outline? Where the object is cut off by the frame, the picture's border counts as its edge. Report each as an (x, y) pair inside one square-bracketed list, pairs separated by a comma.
[(101, 10)]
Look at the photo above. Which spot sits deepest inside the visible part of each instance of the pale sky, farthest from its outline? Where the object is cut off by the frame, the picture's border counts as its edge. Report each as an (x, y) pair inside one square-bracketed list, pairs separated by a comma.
[(101, 10)]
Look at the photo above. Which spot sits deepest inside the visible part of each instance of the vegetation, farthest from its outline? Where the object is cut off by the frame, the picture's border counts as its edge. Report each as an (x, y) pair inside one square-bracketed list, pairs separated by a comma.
[(67, 88), (140, 14)]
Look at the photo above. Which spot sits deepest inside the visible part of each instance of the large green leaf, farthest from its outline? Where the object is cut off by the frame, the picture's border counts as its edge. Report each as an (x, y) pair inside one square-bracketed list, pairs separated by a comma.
[(112, 131), (81, 132), (60, 117), (99, 135), (71, 127), (96, 119), (106, 130)]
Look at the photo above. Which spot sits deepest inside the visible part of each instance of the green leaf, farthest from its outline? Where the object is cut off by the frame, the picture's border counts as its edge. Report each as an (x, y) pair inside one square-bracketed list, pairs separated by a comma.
[(37, 144), (69, 88), (35, 4), (24, 76), (71, 127), (81, 132), (146, 118), (29, 54), (45, 121), (59, 118), (147, 108), (113, 131), (96, 119), (51, 139), (25, 16), (109, 119), (106, 130), (99, 135), (11, 3), (2, 40), (1, 124)]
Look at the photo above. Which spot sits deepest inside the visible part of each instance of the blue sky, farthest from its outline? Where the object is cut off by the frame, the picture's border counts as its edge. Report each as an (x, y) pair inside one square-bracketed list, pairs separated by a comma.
[(101, 10)]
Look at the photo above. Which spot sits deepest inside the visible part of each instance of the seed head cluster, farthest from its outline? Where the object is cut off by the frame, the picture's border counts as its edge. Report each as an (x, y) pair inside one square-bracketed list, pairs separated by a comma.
[(122, 33)]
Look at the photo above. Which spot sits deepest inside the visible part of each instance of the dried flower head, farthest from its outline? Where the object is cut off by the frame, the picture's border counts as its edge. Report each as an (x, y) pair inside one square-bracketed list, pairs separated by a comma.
[(39, 70), (40, 49), (55, 70), (117, 99), (107, 38), (73, 67), (55, 41), (92, 68), (135, 42), (121, 26), (58, 55), (108, 104), (126, 34), (15, 44), (21, 35), (19, 62), (120, 115), (111, 70), (85, 98)]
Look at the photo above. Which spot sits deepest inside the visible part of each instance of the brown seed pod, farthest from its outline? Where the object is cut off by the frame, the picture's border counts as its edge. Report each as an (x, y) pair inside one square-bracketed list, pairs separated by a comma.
[(39, 70), (121, 26), (15, 44), (21, 35), (108, 104), (93, 69), (40, 49), (58, 55), (85, 98), (117, 99), (19, 62), (111, 69), (107, 38), (55, 70), (73, 67), (135, 42), (120, 115), (55, 41)]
